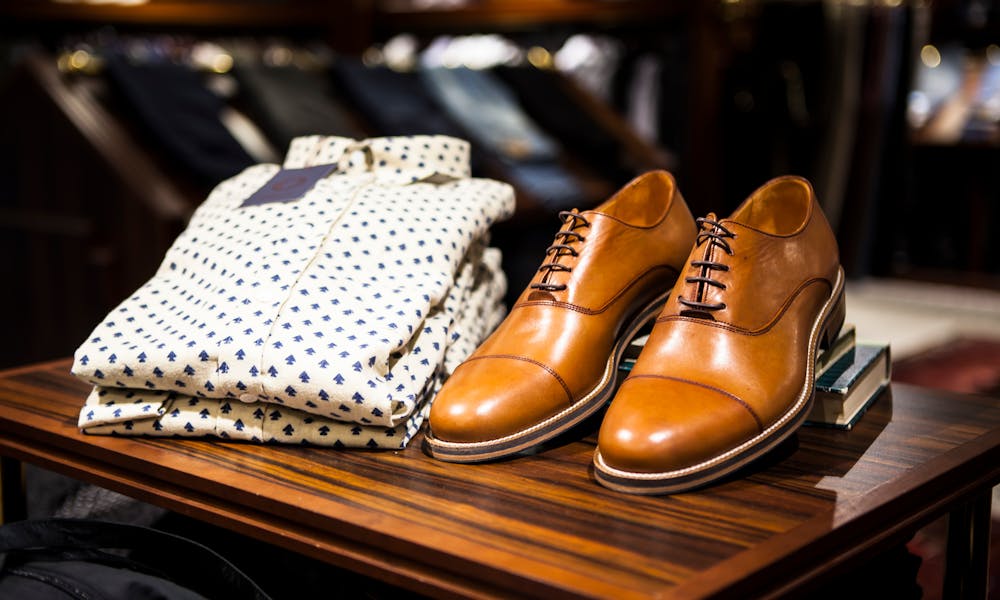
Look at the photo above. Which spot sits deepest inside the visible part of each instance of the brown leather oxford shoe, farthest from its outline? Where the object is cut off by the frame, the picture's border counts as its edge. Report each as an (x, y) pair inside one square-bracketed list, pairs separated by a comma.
[(554, 360), (728, 370)]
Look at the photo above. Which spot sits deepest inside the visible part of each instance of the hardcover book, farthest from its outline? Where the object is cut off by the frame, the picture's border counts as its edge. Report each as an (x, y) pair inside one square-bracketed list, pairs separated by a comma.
[(631, 352), (848, 386), (843, 346)]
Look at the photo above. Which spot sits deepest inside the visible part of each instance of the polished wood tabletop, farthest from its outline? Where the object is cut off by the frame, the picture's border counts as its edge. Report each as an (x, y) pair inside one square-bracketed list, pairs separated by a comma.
[(539, 525)]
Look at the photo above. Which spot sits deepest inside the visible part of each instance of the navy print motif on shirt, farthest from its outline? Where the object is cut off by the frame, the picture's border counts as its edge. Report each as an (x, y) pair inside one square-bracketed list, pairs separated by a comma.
[(346, 307)]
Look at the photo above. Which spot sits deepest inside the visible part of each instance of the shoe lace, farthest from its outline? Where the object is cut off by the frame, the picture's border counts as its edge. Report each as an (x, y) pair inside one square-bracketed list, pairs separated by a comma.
[(562, 247), (715, 234)]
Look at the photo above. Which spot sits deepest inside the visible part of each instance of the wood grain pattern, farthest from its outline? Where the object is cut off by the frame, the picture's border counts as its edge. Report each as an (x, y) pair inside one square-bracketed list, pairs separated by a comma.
[(538, 525)]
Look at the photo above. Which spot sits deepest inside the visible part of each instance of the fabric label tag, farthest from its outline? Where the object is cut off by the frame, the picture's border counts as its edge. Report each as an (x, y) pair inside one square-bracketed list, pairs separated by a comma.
[(289, 184)]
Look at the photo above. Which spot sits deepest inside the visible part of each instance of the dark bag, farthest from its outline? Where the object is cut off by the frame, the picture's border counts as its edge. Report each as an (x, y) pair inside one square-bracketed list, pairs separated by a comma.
[(98, 560)]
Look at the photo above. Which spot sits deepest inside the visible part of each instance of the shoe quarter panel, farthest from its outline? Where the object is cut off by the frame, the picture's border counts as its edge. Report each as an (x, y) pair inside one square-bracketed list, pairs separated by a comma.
[(621, 263), (766, 272)]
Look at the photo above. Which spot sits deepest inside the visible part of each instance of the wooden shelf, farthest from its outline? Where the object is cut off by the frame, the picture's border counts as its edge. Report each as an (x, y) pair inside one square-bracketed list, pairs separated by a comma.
[(795, 522), (299, 13), (513, 14)]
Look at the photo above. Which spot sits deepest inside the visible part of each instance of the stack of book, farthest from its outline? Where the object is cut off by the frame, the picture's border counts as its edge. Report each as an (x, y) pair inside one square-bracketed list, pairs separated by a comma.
[(850, 375)]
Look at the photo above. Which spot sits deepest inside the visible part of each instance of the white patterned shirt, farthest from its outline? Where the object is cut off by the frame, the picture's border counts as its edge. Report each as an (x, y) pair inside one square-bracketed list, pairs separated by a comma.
[(329, 318)]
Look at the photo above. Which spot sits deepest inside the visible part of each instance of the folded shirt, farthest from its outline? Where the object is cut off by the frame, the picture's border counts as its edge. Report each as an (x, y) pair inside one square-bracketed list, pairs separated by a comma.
[(273, 318)]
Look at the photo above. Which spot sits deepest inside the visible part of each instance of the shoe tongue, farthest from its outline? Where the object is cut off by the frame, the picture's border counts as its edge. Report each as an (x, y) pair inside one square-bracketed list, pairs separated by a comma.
[(570, 223), (541, 296)]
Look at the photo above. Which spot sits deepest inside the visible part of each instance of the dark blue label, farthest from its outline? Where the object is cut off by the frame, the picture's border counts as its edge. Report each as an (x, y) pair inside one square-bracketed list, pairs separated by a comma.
[(288, 185)]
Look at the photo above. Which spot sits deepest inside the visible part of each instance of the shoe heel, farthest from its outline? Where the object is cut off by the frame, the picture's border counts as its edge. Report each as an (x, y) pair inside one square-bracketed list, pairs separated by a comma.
[(834, 321)]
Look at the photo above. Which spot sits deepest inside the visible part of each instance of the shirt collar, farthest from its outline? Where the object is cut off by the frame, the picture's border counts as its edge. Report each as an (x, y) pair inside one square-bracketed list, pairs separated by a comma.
[(394, 160)]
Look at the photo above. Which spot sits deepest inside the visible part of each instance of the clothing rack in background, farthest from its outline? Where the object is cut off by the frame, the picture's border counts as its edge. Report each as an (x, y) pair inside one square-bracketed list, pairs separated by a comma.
[(87, 212), (715, 92), (114, 124)]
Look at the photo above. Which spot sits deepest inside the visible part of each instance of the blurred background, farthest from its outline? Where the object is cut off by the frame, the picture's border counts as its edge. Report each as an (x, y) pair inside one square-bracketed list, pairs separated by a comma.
[(117, 117)]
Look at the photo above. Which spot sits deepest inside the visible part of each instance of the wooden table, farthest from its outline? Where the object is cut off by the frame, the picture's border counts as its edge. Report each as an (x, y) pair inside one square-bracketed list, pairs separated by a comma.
[(539, 525)]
